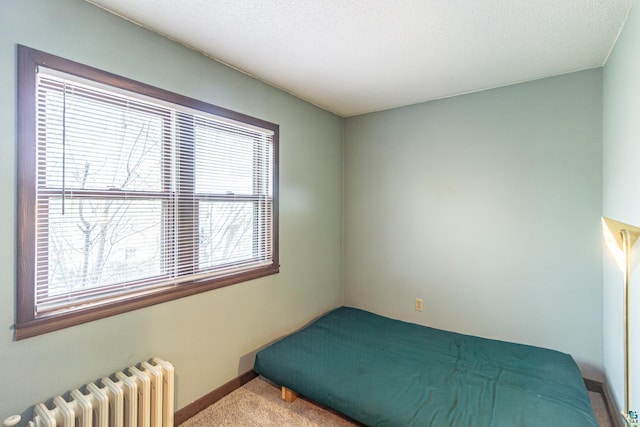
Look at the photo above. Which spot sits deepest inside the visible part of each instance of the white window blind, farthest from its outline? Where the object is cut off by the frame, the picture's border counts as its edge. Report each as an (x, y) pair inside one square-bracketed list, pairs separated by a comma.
[(135, 194)]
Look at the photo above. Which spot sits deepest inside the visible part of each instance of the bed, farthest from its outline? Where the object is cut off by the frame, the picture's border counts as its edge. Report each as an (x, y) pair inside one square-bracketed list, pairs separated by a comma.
[(384, 372)]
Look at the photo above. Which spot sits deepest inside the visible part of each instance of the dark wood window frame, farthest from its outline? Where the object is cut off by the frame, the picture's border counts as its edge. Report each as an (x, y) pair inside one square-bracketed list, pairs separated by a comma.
[(28, 322)]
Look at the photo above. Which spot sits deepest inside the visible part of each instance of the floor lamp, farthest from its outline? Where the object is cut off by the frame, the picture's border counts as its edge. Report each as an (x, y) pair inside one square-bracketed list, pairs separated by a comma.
[(620, 238)]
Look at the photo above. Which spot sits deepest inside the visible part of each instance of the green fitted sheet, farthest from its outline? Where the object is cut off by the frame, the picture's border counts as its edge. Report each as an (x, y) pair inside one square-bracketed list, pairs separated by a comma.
[(384, 372)]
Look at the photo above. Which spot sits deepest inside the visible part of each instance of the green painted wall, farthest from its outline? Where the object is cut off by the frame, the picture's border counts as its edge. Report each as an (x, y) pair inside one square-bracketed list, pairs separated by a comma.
[(210, 338), (488, 207), (621, 197)]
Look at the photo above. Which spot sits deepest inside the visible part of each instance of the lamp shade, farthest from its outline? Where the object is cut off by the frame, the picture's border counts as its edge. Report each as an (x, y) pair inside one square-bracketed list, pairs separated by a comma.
[(613, 237)]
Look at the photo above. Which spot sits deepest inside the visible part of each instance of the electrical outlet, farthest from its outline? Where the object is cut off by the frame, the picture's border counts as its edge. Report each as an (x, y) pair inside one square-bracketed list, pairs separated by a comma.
[(418, 304)]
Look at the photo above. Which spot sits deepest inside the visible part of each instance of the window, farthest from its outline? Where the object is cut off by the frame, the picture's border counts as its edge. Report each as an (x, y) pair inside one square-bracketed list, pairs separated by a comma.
[(129, 195)]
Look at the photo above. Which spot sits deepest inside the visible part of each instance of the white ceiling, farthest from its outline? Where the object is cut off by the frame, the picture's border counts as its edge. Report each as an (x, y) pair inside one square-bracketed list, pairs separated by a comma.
[(357, 56)]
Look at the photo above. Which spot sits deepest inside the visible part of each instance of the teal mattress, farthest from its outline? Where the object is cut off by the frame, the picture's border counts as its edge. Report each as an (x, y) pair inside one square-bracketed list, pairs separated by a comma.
[(384, 372)]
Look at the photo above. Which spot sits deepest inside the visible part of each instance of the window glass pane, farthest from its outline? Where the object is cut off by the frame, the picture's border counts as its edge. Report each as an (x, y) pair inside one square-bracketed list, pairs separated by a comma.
[(98, 243), (223, 161), (226, 233), (100, 144)]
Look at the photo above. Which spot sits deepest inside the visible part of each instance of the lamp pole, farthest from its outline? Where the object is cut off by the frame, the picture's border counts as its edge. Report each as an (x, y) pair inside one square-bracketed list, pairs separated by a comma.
[(631, 417)]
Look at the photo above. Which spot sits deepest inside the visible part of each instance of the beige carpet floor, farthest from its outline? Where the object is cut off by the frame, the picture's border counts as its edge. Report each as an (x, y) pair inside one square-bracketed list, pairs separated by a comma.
[(258, 403)]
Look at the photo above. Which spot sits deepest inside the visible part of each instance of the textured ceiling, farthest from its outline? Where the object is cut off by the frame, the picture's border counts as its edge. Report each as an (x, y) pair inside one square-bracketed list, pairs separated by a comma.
[(357, 56)]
